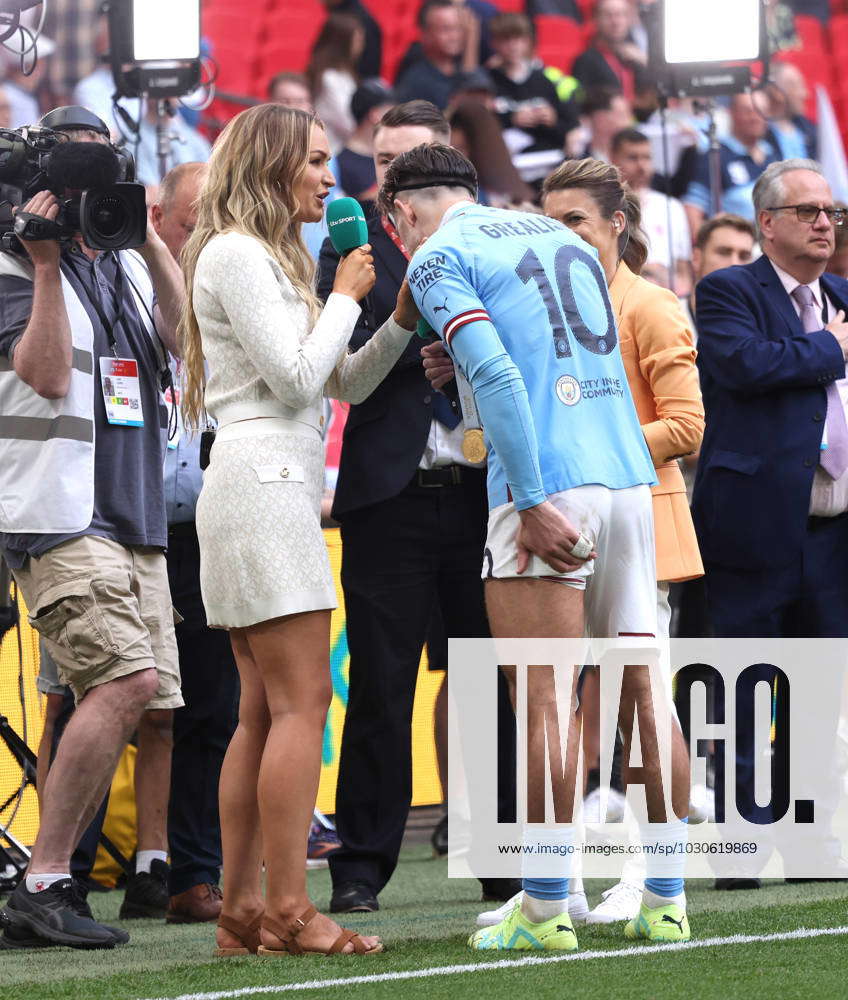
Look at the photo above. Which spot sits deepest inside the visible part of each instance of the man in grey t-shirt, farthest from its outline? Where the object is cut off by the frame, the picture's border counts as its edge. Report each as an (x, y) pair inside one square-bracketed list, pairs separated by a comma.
[(98, 597)]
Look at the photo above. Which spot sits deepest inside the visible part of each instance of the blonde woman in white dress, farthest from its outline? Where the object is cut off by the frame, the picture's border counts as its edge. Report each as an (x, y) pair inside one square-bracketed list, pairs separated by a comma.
[(272, 352)]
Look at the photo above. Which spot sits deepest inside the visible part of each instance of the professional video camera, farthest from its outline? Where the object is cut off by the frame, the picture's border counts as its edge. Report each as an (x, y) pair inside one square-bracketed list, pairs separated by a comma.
[(107, 206)]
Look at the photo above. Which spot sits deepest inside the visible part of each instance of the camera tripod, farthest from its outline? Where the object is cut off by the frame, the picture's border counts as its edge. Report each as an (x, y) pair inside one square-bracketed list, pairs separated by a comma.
[(165, 135)]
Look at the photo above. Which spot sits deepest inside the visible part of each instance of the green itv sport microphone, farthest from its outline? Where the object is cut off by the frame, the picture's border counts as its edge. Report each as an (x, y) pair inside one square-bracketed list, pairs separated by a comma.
[(346, 224), (349, 230)]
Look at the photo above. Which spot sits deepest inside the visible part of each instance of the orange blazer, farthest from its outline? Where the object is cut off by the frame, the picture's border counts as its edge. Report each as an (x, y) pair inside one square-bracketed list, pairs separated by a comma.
[(659, 359)]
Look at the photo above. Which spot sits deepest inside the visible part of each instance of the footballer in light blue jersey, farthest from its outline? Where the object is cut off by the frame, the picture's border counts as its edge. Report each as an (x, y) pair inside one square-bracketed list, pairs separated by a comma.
[(540, 348), (522, 305)]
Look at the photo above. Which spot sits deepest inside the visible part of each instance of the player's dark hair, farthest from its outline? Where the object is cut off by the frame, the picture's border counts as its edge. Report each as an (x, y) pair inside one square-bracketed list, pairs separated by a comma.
[(607, 188), (625, 136), (427, 167), (725, 219), (421, 113)]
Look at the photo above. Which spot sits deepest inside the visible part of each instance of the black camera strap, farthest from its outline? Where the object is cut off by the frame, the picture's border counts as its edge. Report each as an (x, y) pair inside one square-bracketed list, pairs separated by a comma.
[(97, 305)]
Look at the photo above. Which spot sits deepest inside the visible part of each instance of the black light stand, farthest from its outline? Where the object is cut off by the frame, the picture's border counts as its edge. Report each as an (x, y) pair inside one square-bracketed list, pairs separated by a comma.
[(19, 855), (702, 81), (27, 762), (161, 79)]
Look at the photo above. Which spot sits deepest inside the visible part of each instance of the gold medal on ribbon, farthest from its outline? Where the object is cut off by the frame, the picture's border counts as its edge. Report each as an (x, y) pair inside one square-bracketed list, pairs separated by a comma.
[(473, 446)]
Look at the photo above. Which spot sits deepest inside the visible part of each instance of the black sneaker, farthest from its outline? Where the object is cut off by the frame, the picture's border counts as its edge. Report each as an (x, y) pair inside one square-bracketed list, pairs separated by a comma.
[(439, 838), (58, 915), (82, 891), (147, 893), (15, 938)]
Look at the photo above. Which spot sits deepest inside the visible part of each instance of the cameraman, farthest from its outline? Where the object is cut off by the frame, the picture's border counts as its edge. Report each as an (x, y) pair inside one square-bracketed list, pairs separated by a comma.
[(82, 518)]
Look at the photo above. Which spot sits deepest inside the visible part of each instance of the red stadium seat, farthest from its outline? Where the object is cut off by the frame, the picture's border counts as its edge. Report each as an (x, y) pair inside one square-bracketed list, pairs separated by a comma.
[(398, 35), (287, 36), (559, 41), (838, 32), (811, 33), (237, 26)]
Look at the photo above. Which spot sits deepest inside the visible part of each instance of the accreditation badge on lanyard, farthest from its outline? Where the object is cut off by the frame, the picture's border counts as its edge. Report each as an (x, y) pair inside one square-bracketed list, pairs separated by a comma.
[(121, 391), (172, 400)]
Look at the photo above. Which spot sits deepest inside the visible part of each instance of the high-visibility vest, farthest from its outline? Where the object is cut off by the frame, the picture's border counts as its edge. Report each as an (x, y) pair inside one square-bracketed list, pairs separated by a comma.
[(47, 445)]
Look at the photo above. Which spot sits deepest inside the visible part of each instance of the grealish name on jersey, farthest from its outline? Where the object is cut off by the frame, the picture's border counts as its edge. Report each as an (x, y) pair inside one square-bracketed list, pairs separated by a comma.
[(500, 286), (534, 226)]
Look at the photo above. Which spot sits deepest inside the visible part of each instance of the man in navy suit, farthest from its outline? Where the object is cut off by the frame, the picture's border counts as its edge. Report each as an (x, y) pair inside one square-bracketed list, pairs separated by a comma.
[(771, 494), (413, 512)]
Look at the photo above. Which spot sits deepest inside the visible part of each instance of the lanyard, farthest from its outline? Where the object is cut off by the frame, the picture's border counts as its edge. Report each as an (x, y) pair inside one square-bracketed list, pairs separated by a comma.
[(393, 235), (164, 372), (97, 305)]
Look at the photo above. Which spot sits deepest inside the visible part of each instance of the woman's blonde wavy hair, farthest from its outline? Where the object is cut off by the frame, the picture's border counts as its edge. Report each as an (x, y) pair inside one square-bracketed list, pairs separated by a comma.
[(250, 184), (611, 194)]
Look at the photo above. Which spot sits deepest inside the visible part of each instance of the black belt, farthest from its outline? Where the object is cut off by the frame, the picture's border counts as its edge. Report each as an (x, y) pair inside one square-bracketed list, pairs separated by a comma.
[(815, 521), (445, 475), (182, 529)]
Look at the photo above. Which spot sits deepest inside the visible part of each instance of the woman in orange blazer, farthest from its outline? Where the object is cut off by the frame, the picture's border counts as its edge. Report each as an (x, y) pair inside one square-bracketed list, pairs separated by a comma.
[(590, 197)]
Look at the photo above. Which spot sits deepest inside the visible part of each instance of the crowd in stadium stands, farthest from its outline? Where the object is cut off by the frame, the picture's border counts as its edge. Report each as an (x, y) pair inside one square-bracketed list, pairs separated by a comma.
[(520, 94)]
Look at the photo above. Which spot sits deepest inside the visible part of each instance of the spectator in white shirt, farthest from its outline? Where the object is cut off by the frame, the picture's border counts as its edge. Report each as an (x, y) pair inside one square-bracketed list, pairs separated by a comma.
[(663, 218)]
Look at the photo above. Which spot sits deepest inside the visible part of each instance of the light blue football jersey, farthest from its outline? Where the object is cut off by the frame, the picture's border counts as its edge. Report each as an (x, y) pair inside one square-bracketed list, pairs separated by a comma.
[(523, 306)]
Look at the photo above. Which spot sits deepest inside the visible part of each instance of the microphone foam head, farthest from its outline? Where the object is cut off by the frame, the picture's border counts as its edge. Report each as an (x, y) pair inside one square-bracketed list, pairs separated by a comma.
[(80, 165), (347, 225)]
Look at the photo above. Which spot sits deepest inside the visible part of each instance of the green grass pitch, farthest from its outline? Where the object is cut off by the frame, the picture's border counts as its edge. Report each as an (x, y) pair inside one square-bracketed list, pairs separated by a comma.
[(425, 921)]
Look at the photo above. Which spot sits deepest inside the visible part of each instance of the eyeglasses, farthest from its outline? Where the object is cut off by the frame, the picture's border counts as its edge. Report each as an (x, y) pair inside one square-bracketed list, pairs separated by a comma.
[(810, 213)]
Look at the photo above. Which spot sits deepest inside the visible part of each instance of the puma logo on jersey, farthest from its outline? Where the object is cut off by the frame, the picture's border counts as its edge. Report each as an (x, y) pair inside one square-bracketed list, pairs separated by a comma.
[(443, 308)]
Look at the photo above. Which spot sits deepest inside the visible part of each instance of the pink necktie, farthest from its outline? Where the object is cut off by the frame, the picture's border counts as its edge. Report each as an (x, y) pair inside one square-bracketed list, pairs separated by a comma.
[(834, 458)]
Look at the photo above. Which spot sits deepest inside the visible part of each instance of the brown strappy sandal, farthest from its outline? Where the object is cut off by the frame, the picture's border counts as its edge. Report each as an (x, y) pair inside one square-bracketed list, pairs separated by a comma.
[(248, 934), (289, 935)]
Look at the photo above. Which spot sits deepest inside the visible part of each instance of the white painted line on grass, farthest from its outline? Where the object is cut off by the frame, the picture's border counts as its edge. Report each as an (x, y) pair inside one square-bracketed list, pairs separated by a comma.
[(634, 951)]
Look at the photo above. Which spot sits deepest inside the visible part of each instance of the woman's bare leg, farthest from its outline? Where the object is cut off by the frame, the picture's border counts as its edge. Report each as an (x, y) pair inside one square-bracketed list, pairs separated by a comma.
[(241, 840), (292, 655)]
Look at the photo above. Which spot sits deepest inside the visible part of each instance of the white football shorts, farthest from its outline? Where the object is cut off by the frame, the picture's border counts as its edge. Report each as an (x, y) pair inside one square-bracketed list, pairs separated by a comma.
[(621, 583)]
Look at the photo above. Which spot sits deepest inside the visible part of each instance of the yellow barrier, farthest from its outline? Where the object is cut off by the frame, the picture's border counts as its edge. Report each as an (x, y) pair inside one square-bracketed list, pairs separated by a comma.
[(426, 789)]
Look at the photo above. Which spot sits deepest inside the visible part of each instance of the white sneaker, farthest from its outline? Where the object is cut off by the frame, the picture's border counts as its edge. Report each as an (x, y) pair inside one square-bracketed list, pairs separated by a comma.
[(621, 902), (615, 807), (701, 804), (491, 917), (578, 909)]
